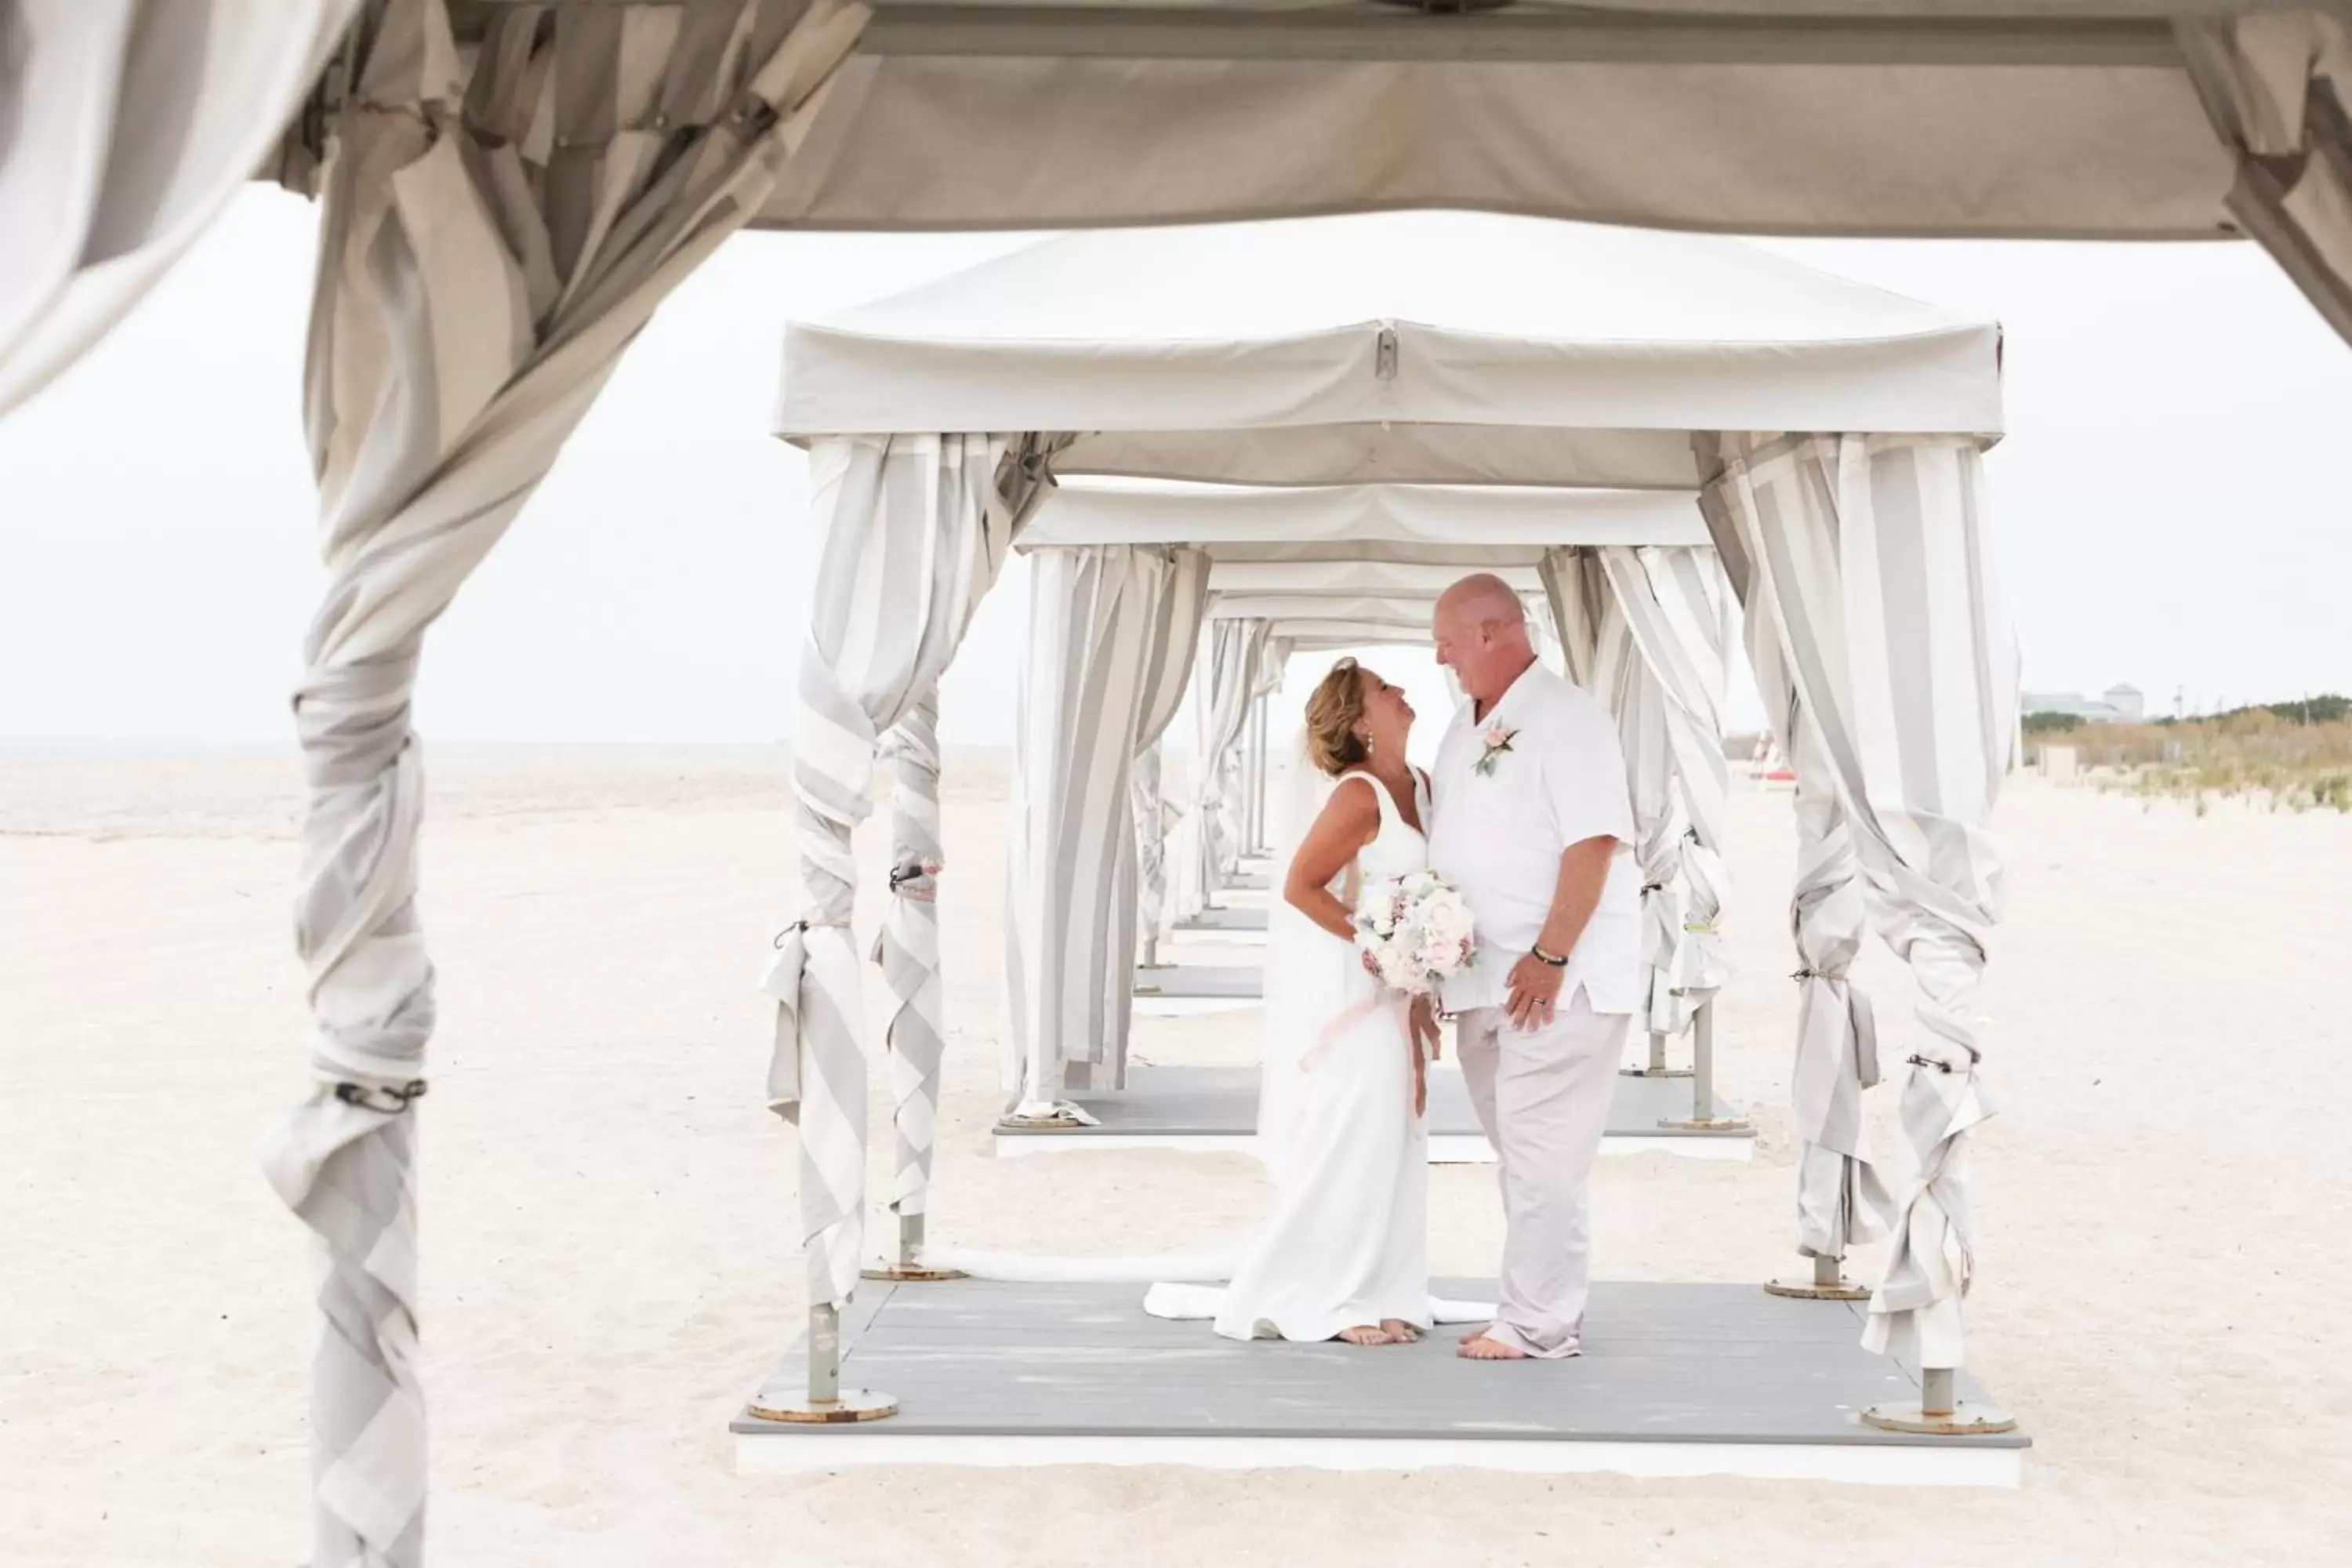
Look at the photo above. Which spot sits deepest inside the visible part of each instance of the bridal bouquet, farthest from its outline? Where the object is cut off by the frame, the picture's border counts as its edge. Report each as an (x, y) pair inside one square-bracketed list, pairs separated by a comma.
[(1415, 929)]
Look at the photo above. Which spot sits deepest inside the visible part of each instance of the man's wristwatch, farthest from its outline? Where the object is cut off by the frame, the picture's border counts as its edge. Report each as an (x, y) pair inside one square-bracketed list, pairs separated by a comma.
[(1540, 957)]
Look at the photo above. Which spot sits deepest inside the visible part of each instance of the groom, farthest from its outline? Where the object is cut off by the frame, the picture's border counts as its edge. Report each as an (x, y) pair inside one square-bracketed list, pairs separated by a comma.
[(1533, 823)]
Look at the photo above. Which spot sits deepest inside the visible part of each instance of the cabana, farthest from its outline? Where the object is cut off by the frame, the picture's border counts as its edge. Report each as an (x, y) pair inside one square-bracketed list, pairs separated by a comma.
[(511, 189), (1343, 353), (1308, 569)]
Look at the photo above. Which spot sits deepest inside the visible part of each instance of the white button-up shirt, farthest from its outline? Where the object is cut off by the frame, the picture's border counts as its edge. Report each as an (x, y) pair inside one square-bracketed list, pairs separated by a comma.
[(1498, 833)]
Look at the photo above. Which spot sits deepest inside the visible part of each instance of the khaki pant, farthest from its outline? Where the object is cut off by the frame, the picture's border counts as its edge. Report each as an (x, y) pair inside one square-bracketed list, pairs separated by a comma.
[(1542, 1099)]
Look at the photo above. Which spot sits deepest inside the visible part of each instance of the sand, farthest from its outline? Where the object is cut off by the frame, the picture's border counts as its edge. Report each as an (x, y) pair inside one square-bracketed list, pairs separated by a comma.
[(608, 1208)]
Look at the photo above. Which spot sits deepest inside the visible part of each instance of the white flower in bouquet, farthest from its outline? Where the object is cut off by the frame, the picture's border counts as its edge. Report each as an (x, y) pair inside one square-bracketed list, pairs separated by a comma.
[(1415, 928)]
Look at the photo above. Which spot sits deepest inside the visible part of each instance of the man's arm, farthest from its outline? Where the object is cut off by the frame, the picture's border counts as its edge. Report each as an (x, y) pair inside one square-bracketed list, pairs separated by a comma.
[(1535, 984)]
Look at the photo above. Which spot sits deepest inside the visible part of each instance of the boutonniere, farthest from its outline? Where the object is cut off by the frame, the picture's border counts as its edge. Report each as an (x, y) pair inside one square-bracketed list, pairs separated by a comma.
[(1499, 741)]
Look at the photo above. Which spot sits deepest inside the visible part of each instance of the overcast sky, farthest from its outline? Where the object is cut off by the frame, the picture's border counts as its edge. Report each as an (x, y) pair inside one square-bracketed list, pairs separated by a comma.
[(2171, 506)]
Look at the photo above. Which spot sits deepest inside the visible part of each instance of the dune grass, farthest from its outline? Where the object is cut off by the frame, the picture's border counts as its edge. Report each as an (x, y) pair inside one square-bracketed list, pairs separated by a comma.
[(2291, 756)]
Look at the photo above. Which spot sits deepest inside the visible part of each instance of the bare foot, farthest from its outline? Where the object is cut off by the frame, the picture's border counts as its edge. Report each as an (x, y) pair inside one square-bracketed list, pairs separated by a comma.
[(1400, 1331), (1478, 1333), (1364, 1334), (1478, 1347)]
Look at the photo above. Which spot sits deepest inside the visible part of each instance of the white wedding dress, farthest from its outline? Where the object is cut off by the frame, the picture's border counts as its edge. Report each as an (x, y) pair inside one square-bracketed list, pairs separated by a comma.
[(1347, 1243)]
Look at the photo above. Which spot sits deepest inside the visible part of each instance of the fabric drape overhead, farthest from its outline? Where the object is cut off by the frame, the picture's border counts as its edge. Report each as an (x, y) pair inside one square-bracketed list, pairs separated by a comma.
[(129, 125), (490, 243), (1470, 525), (915, 530), (2278, 88), (1876, 559), (1099, 616)]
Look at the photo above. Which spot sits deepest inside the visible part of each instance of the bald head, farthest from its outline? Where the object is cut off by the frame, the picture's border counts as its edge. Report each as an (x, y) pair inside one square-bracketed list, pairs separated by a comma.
[(1482, 599), (1481, 629)]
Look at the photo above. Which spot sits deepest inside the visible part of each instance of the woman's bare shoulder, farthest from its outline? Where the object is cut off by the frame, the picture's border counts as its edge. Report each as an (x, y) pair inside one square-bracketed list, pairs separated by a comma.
[(1352, 805)]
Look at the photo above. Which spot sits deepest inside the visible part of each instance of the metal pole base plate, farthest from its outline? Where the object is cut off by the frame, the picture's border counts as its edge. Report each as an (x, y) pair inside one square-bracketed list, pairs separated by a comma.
[(794, 1405), (910, 1273), (1808, 1290), (1059, 1123), (1654, 1072), (1706, 1124), (1963, 1420)]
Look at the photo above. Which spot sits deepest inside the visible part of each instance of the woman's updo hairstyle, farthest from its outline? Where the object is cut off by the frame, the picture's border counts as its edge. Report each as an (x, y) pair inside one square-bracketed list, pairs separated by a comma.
[(1332, 714)]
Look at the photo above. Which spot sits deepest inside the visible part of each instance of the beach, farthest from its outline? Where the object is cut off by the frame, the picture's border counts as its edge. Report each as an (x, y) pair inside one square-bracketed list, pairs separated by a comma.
[(609, 1218)]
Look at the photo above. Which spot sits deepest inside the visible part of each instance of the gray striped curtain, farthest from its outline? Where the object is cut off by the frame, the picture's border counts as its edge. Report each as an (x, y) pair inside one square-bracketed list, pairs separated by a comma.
[(1097, 615), (1168, 666), (1674, 600), (1604, 655), (128, 126), (1220, 706), (1579, 596), (498, 225), (1876, 558), (1172, 673), (1841, 1197), (915, 529), (1154, 818), (1273, 660), (2279, 92)]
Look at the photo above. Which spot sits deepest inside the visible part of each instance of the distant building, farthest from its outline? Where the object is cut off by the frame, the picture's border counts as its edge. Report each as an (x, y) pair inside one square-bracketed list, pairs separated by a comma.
[(2117, 705)]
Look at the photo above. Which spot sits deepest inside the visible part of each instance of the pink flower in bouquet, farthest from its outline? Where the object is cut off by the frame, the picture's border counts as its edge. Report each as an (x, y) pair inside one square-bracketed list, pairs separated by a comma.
[(1416, 929)]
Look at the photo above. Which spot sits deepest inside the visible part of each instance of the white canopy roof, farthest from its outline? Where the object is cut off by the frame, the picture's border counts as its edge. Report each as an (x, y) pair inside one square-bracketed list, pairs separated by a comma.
[(2022, 118), (1421, 347), (1467, 527)]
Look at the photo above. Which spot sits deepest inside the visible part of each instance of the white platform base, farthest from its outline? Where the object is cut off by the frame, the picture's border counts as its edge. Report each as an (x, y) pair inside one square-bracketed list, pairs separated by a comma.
[(1191, 1006), (876, 1446), (1444, 1149)]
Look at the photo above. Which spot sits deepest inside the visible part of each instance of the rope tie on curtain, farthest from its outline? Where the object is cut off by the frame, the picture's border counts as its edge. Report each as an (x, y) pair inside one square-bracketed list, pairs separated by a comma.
[(383, 1099), (802, 927), (916, 879)]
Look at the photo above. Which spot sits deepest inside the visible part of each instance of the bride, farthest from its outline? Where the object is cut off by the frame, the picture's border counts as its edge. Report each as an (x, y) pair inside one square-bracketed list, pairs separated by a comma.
[(1344, 1254)]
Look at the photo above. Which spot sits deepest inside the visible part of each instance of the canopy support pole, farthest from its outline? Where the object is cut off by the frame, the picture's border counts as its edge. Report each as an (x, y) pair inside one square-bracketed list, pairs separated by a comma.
[(1656, 1067), (822, 1401), (1701, 1118)]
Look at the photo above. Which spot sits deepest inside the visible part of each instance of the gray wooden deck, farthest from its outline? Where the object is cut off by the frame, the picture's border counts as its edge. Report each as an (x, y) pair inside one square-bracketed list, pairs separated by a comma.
[(1223, 922), (1674, 1379), (1214, 1109), (1199, 979)]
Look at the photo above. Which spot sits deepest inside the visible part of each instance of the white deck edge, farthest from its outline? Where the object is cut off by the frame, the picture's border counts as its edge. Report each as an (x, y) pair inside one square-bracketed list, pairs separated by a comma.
[(796, 1453), (1191, 1006), (1444, 1149)]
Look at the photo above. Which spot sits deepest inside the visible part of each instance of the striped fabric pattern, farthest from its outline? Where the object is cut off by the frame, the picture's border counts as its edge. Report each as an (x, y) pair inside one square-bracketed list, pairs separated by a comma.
[(2279, 92), (915, 529), (1103, 624), (476, 289), (1167, 672), (1876, 557), (1154, 818), (1220, 709), (129, 125), (1842, 1199), (907, 950), (1674, 603), (1588, 605)]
